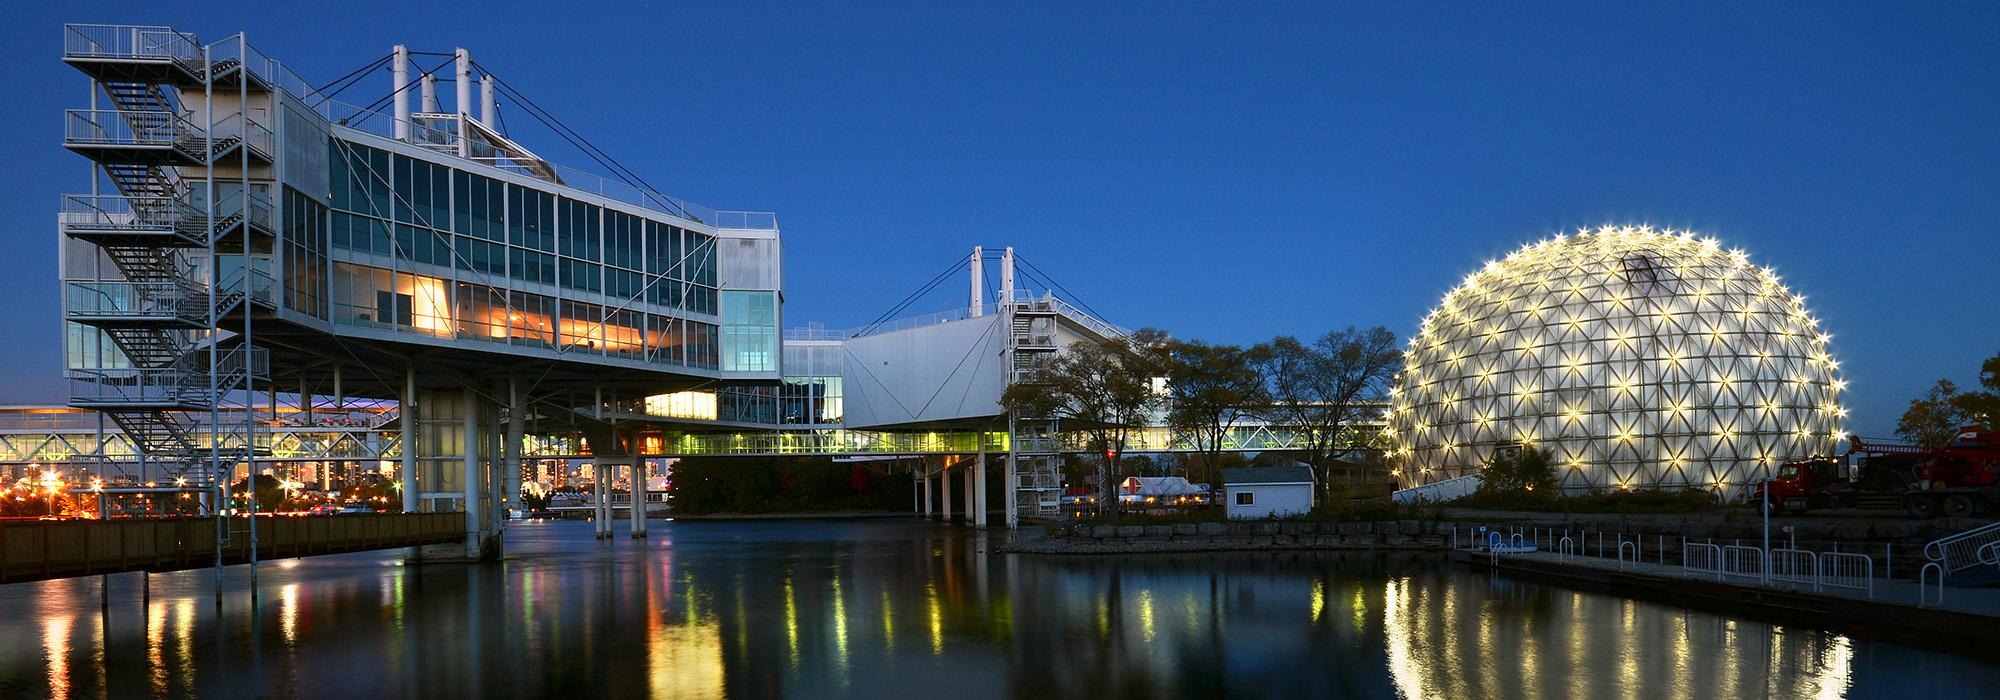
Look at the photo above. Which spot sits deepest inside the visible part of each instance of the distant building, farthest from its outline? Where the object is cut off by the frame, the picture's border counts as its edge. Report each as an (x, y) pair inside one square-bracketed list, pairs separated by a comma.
[(1167, 490), (1261, 492)]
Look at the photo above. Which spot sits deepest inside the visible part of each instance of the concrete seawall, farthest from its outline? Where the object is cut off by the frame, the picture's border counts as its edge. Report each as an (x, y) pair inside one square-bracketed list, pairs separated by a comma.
[(1239, 536)]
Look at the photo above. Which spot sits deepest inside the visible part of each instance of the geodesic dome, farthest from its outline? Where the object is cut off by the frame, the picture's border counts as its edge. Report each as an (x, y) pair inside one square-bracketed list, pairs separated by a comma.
[(1640, 358)]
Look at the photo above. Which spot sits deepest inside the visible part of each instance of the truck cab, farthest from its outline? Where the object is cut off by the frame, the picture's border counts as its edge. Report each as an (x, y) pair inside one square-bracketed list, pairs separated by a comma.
[(1798, 485)]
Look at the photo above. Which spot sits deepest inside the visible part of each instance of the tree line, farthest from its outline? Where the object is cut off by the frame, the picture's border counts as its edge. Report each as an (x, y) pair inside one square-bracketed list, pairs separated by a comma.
[(1320, 390), (1934, 419)]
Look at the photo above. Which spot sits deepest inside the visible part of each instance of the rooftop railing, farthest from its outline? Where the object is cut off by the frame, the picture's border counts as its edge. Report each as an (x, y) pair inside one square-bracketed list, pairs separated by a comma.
[(128, 41), (381, 123)]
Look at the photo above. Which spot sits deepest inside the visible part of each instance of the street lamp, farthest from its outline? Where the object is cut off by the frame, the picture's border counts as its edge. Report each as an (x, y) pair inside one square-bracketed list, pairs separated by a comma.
[(1766, 568)]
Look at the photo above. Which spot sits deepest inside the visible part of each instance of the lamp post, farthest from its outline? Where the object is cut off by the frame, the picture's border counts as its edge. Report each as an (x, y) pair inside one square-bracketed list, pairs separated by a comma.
[(1765, 570)]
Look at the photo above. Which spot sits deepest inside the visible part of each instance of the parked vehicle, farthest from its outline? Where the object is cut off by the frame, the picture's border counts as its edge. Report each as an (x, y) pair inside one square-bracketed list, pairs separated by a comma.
[(1959, 479)]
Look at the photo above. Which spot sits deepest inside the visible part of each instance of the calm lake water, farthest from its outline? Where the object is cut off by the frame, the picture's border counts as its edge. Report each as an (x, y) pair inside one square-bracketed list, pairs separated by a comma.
[(893, 608)]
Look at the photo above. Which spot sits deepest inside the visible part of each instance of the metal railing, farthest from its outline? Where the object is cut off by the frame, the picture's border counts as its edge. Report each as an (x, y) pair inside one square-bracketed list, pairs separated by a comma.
[(1743, 561), (257, 136), (1439, 491), (126, 128), (122, 213), (1964, 550), (180, 301), (1702, 558), (1847, 570), (254, 207), (128, 42), (137, 387), (1795, 566)]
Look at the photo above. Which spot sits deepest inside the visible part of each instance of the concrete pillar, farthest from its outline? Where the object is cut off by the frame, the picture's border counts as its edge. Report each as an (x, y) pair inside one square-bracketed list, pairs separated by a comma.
[(1010, 485), (944, 487), (475, 524), (967, 479), (1007, 275), (930, 506), (427, 87), (511, 447), (401, 73), (487, 111), (462, 106), (407, 415), (978, 284), (978, 501), (638, 525)]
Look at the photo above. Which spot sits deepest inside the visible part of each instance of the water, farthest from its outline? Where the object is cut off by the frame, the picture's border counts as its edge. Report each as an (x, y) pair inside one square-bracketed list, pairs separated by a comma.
[(893, 608)]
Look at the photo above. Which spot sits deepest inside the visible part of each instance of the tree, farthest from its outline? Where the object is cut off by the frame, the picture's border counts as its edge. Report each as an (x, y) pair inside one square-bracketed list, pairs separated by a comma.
[(1102, 389), (1933, 420), (1209, 387), (1529, 469), (270, 492), (1322, 390)]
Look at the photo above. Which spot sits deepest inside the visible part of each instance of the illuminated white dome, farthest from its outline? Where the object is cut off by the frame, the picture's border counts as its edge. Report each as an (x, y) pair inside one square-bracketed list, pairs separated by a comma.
[(1640, 358)]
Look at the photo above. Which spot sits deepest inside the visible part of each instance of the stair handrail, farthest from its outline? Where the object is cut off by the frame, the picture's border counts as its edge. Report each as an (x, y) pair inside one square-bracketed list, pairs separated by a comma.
[(1964, 550)]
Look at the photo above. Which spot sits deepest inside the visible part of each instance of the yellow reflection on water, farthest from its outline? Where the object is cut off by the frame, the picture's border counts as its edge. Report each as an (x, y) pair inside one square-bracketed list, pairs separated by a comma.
[(683, 661), (888, 624), (1319, 599), (288, 613), (839, 631), (55, 647), (791, 620), (1403, 664), (1146, 614), (156, 653), (937, 618)]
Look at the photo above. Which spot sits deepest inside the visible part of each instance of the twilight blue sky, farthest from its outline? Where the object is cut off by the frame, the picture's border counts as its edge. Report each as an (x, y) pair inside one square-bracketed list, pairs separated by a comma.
[(1227, 174)]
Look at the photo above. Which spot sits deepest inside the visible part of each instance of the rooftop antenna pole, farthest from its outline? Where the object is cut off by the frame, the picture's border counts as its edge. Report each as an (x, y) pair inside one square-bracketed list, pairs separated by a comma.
[(978, 283), (463, 105), (401, 73)]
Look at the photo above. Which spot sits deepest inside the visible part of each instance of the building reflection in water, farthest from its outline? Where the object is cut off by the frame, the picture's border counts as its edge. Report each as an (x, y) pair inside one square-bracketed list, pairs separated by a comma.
[(818, 609)]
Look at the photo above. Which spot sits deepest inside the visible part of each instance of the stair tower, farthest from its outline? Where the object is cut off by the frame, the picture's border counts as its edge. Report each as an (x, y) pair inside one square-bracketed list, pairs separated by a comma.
[(164, 269), (1035, 445)]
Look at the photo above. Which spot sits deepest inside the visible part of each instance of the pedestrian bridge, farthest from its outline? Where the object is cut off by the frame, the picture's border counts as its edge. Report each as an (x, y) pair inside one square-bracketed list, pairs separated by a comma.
[(50, 436)]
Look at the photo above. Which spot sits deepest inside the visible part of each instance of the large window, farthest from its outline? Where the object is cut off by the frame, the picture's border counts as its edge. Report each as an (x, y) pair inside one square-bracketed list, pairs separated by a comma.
[(749, 331), (431, 248), (305, 240)]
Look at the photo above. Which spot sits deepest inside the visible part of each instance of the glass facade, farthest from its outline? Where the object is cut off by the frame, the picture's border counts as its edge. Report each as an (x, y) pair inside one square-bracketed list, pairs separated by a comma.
[(750, 331), (426, 248)]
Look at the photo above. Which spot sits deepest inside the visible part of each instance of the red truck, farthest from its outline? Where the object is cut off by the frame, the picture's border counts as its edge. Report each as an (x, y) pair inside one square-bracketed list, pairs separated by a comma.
[(1959, 479)]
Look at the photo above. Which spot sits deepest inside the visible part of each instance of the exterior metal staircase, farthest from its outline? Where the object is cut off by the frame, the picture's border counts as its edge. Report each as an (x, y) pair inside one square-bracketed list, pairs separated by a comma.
[(154, 232), (1037, 487)]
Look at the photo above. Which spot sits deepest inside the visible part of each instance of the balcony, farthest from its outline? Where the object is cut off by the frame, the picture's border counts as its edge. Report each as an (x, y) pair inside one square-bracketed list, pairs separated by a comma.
[(165, 388), (160, 138), (132, 53), (121, 220), (132, 304)]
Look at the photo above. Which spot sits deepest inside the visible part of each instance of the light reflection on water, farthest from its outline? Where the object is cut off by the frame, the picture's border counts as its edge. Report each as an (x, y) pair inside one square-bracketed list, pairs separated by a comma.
[(890, 608)]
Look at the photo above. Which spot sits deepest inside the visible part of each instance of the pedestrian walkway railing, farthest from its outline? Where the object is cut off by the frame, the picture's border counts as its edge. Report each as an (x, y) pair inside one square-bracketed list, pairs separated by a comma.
[(1964, 550), (1786, 566), (1743, 562), (1847, 570), (1795, 566), (1701, 558)]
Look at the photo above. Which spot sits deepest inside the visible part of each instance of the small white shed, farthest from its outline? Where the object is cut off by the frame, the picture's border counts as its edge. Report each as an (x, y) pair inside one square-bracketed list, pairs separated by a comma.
[(1251, 493)]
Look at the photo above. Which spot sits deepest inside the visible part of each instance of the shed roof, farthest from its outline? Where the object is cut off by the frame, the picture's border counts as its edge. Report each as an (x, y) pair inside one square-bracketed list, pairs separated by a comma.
[(1296, 474)]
